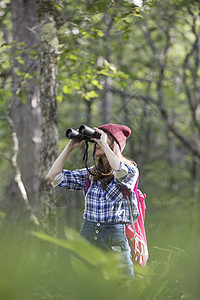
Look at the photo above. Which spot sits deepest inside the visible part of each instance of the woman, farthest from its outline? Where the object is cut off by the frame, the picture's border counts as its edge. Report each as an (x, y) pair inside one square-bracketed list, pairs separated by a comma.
[(106, 210)]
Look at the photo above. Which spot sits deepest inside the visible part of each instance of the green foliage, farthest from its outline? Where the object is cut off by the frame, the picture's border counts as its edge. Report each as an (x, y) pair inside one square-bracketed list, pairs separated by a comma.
[(38, 266), (78, 246)]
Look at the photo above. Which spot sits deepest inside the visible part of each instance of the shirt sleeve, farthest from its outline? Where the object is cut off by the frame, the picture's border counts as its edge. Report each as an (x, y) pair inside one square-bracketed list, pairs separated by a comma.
[(73, 180), (126, 175)]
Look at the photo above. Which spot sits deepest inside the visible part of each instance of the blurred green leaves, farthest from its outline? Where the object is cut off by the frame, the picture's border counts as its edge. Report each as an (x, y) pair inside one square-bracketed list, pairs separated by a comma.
[(39, 266), (77, 245)]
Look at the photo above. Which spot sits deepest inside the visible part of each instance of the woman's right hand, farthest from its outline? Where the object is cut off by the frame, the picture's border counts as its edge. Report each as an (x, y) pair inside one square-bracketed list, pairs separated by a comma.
[(60, 161), (75, 144)]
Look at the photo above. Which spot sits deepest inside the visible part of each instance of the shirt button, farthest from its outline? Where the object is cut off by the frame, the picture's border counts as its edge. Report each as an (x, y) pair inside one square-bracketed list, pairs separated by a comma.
[(98, 224), (95, 238), (97, 231)]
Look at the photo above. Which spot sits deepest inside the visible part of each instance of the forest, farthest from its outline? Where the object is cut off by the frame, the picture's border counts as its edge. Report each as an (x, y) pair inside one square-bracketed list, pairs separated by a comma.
[(68, 63)]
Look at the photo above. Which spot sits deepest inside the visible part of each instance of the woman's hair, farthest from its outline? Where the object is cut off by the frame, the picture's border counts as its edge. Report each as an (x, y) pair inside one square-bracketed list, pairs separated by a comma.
[(105, 172), (128, 161)]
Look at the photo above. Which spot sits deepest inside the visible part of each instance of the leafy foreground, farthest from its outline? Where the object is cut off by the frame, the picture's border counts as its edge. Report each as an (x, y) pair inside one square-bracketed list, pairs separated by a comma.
[(38, 266)]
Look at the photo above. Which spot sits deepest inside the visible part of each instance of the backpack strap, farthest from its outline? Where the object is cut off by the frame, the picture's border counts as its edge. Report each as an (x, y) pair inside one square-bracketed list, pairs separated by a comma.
[(88, 187), (127, 196), (132, 220)]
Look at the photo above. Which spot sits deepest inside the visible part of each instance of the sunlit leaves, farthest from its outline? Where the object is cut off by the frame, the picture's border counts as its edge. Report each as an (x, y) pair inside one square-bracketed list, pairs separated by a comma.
[(93, 34), (20, 60), (66, 89), (89, 95), (97, 84)]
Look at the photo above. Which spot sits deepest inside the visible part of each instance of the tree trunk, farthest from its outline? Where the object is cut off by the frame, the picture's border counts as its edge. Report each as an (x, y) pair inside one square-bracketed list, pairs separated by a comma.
[(26, 112), (107, 100), (144, 138), (48, 98), (88, 113), (172, 161)]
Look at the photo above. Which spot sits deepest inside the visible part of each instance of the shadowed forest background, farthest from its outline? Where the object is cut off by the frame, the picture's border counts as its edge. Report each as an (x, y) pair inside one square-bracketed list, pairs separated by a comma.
[(67, 63)]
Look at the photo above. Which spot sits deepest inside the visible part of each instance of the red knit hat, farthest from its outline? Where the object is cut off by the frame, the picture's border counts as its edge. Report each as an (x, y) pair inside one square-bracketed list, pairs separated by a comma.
[(119, 132)]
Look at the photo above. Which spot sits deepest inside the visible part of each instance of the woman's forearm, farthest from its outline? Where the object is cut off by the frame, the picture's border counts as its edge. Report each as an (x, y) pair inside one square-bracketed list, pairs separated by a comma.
[(113, 159), (59, 162)]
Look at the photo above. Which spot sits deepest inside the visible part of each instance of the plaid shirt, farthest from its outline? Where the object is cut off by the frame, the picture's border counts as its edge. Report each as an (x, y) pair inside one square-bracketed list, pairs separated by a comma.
[(103, 205)]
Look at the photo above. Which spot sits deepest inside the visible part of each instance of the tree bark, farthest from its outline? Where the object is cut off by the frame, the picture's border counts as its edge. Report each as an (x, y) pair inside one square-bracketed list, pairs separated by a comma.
[(88, 113), (48, 98), (172, 158), (26, 113), (107, 100)]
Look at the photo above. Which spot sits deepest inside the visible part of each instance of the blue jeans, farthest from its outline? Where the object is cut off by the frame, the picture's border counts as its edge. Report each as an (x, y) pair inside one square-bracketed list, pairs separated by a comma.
[(108, 236)]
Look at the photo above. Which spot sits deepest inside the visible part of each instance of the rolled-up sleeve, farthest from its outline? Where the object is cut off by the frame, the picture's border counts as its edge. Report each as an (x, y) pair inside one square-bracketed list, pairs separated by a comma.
[(126, 175), (73, 180), (58, 179)]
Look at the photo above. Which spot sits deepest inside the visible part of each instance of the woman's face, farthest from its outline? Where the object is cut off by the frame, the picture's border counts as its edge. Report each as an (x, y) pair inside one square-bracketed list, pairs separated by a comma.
[(99, 150)]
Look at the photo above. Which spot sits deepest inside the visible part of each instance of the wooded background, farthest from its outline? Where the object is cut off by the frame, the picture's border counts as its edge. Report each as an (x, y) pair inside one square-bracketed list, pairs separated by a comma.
[(67, 63)]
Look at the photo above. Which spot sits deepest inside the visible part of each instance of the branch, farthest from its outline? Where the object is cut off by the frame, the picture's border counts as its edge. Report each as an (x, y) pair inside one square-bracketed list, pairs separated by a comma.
[(186, 142), (13, 161), (5, 156), (189, 144), (193, 100), (152, 46)]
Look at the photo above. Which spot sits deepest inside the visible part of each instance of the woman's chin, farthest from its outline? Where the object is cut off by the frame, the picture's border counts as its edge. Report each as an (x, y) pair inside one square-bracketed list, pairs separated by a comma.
[(99, 154)]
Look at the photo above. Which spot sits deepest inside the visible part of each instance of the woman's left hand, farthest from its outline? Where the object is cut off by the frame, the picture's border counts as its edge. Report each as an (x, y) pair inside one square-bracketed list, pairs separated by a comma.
[(105, 143), (103, 138)]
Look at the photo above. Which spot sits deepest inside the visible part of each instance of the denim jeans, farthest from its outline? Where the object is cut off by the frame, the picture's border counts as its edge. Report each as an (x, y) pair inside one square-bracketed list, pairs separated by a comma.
[(109, 237)]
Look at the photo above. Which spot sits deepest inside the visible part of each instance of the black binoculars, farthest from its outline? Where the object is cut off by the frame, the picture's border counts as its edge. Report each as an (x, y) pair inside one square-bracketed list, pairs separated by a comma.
[(84, 133)]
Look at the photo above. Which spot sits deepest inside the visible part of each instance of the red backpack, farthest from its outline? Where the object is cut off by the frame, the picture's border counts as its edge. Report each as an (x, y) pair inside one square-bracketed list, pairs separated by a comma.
[(135, 232)]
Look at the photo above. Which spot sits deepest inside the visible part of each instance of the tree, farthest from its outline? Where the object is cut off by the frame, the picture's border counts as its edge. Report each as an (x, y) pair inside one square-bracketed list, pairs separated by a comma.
[(25, 100), (48, 99)]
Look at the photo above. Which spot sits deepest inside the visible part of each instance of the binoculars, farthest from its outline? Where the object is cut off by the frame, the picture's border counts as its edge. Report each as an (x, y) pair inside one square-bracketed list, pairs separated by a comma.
[(84, 133)]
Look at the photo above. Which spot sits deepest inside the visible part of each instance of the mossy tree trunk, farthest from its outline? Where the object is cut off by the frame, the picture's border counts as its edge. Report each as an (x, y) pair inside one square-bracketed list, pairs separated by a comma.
[(48, 98)]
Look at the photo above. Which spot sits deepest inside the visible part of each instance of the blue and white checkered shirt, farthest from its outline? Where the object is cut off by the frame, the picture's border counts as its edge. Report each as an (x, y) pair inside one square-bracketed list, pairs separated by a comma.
[(107, 205)]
